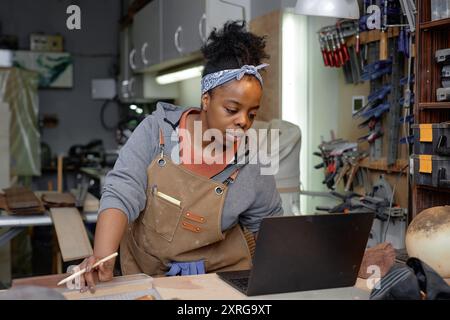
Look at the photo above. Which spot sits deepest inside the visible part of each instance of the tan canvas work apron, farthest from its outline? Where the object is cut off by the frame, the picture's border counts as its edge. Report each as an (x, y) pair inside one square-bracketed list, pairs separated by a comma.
[(182, 223)]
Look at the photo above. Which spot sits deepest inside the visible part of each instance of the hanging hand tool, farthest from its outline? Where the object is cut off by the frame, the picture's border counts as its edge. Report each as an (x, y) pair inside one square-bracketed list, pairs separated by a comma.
[(328, 49), (370, 123), (342, 172), (343, 44), (376, 69), (377, 111), (334, 50), (324, 52), (408, 95), (339, 50), (409, 10), (407, 140), (357, 41), (355, 164), (408, 119), (403, 42), (372, 137)]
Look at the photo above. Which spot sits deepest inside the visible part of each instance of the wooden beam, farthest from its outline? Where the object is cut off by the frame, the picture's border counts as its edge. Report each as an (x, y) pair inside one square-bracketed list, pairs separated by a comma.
[(372, 36)]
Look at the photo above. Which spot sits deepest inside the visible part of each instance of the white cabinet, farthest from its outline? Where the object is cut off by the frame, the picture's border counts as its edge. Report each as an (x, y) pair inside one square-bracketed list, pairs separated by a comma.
[(187, 24), (168, 32), (135, 87), (146, 37), (183, 26)]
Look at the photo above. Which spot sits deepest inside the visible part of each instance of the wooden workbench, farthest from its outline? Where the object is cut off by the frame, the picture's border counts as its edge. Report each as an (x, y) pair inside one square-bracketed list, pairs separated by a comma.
[(211, 287)]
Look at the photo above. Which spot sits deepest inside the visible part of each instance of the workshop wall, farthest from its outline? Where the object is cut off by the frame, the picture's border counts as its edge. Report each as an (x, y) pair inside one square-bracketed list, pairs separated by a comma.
[(347, 126), (323, 111), (95, 52)]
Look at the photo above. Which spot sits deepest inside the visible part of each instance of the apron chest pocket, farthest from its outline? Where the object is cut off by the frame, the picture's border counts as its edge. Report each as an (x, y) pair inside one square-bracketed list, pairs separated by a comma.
[(163, 214)]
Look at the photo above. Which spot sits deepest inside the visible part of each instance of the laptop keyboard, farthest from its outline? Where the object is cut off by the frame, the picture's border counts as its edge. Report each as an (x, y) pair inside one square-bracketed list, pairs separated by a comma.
[(241, 283)]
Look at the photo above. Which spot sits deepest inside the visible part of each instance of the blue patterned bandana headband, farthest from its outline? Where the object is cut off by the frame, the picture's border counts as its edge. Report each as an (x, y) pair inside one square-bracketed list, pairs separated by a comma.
[(212, 80)]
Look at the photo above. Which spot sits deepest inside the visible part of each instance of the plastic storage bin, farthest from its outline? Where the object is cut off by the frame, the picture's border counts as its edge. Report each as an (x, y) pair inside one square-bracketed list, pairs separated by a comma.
[(433, 139), (432, 171)]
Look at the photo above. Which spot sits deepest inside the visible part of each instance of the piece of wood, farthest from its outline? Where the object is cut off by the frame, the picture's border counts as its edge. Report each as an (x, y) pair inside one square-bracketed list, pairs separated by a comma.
[(437, 24), (434, 105), (22, 201), (204, 287), (72, 236), (384, 51), (5, 118), (59, 187), (91, 203), (381, 165), (366, 37), (382, 256), (48, 281), (119, 288), (56, 199), (132, 287)]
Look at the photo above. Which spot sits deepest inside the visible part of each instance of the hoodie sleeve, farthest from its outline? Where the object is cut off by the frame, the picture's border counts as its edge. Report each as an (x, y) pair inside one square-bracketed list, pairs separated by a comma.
[(267, 203), (125, 185)]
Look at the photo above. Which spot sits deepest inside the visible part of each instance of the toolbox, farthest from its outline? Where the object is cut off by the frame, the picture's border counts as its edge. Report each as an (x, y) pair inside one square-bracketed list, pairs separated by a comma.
[(443, 55), (432, 171), (443, 94), (432, 139)]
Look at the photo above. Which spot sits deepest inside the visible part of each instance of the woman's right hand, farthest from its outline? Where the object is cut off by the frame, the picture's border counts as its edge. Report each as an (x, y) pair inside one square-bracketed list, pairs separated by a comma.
[(102, 273)]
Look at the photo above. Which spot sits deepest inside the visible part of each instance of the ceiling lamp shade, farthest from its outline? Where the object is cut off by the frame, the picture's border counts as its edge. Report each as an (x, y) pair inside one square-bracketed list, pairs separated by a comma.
[(347, 9)]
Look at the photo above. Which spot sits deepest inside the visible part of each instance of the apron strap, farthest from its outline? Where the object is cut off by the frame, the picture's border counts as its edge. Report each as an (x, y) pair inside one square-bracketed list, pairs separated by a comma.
[(236, 167), (161, 143)]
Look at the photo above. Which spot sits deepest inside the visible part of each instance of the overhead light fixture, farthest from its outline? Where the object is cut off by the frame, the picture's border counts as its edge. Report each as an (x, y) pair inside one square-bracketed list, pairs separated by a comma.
[(347, 9), (133, 107), (179, 75)]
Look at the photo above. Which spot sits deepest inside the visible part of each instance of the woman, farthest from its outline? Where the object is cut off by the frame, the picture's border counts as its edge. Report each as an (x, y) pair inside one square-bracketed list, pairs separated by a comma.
[(190, 214)]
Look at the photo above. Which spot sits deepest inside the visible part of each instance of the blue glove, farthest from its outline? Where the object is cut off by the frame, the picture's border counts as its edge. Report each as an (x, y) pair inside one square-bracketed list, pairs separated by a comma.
[(186, 268)]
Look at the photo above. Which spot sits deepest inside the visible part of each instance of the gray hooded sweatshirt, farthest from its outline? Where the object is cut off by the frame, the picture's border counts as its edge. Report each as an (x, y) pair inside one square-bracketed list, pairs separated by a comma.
[(249, 199)]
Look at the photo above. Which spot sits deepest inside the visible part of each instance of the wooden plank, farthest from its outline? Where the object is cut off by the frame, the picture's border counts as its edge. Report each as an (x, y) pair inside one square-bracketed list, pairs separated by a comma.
[(60, 174), (381, 165), (203, 287), (132, 287), (5, 118), (442, 23), (372, 36), (434, 105), (22, 201), (71, 233), (91, 203)]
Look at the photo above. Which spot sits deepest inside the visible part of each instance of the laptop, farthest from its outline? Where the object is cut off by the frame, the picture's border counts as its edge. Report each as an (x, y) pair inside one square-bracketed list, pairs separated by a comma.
[(302, 253)]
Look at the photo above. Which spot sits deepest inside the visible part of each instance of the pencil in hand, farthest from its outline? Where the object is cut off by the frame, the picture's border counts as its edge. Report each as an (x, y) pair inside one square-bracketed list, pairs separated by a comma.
[(82, 271)]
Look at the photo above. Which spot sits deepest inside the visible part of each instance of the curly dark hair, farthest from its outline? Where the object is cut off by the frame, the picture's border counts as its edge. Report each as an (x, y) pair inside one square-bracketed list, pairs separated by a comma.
[(232, 47)]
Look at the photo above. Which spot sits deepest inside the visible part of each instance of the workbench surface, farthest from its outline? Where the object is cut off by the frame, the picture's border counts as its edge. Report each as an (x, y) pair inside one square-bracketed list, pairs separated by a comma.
[(211, 287)]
